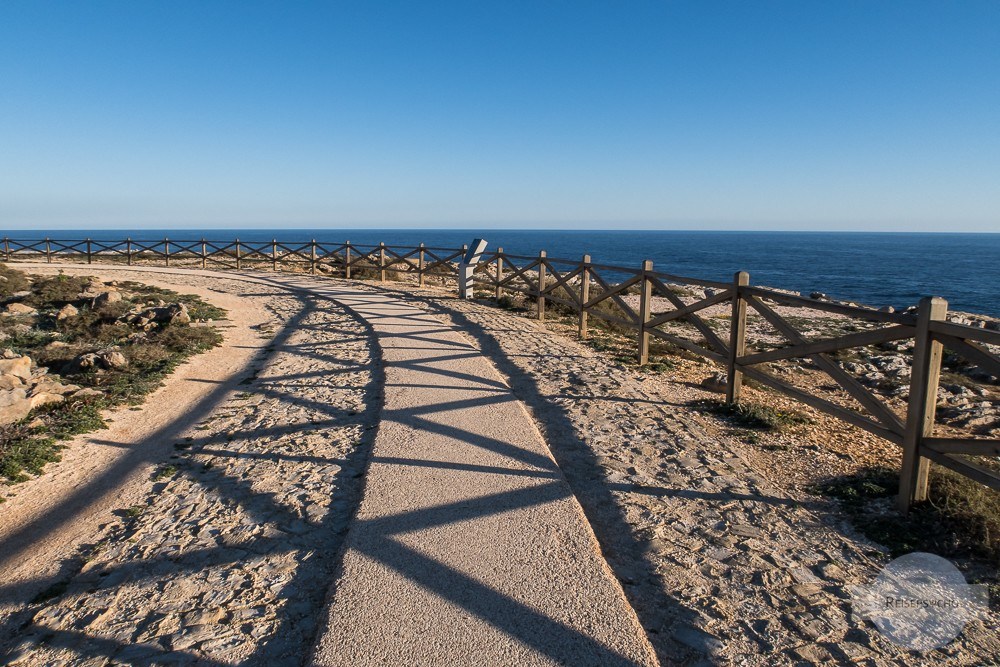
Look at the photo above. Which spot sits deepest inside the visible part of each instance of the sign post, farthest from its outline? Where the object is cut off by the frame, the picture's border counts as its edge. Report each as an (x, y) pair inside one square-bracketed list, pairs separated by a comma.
[(467, 267)]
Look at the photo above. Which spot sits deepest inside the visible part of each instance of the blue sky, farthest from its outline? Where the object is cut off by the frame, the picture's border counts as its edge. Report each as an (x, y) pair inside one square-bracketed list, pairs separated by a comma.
[(868, 115)]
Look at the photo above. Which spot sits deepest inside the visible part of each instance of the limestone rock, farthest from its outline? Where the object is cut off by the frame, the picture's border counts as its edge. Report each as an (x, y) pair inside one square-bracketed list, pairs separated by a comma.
[(14, 406), (87, 392), (52, 386), (16, 366), (8, 382), (16, 309), (105, 298), (717, 382), (105, 359), (44, 398), (175, 313), (66, 312)]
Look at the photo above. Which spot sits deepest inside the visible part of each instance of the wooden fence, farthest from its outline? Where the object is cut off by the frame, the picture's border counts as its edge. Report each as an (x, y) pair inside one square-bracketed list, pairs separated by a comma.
[(625, 298)]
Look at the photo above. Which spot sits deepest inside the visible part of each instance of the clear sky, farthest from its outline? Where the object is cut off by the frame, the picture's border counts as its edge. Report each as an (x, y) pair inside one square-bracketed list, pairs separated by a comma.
[(867, 115)]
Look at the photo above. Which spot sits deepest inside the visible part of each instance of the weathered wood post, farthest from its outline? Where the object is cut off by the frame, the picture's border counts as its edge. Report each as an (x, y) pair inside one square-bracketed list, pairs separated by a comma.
[(645, 307), (381, 262), (166, 252), (48, 251), (128, 251), (239, 259), (89, 257), (420, 266), (347, 260), (498, 274), (274, 254), (312, 257), (6, 248), (737, 338), (584, 295), (540, 305), (204, 254), (922, 403)]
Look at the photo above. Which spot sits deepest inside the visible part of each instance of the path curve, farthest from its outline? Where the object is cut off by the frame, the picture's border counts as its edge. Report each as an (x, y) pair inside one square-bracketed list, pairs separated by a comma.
[(468, 546)]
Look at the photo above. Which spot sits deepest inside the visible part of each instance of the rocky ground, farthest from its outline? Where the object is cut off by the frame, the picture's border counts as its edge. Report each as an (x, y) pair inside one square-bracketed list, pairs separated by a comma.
[(229, 558), (723, 554)]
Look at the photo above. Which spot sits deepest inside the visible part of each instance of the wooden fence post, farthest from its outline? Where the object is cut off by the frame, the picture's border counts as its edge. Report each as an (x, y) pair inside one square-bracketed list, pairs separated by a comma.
[(48, 251), (238, 258), (166, 252), (420, 266), (274, 254), (645, 307), (6, 248), (924, 377), (347, 260), (204, 255), (737, 338), (381, 262), (312, 257), (89, 258), (128, 251), (584, 295), (499, 274), (541, 286)]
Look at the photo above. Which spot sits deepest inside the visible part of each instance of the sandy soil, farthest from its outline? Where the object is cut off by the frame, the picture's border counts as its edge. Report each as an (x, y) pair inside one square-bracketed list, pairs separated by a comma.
[(47, 519)]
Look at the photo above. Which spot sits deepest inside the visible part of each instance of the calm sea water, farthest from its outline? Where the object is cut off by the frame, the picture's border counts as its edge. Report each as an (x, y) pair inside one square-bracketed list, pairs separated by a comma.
[(872, 268)]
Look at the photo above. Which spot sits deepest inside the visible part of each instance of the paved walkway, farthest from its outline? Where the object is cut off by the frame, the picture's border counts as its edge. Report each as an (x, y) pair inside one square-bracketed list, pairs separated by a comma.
[(468, 547)]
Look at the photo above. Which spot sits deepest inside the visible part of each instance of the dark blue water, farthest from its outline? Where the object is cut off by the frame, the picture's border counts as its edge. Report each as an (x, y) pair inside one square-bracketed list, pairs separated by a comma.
[(872, 268)]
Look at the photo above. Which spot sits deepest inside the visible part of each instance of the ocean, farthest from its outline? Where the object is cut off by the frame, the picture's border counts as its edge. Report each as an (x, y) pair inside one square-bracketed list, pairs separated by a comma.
[(872, 268)]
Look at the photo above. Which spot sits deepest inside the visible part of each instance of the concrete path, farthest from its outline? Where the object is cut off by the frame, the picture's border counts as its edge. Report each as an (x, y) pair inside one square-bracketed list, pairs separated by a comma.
[(468, 547)]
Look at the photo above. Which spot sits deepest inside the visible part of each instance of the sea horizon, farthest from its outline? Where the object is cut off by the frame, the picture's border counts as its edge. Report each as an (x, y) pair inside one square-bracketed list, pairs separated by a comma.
[(898, 267)]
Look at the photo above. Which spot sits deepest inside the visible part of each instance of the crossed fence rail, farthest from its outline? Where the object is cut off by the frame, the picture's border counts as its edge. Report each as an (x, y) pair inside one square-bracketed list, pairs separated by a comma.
[(606, 292)]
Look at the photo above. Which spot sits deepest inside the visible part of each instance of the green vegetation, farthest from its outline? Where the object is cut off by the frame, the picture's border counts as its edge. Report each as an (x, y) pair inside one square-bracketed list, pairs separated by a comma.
[(150, 354), (11, 281), (165, 472), (959, 519), (754, 415)]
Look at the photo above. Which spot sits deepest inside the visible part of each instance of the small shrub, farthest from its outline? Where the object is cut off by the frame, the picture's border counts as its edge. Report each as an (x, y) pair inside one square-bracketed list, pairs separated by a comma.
[(189, 340), (12, 280), (754, 415), (960, 518), (56, 290)]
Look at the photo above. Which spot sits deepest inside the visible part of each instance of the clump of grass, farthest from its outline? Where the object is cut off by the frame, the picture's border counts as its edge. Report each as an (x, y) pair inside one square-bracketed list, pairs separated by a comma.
[(754, 415), (12, 280), (959, 519), (135, 511), (26, 448), (165, 472), (56, 290)]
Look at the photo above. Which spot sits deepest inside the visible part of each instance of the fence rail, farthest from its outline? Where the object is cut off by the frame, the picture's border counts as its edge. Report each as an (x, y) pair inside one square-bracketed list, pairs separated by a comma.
[(649, 304)]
